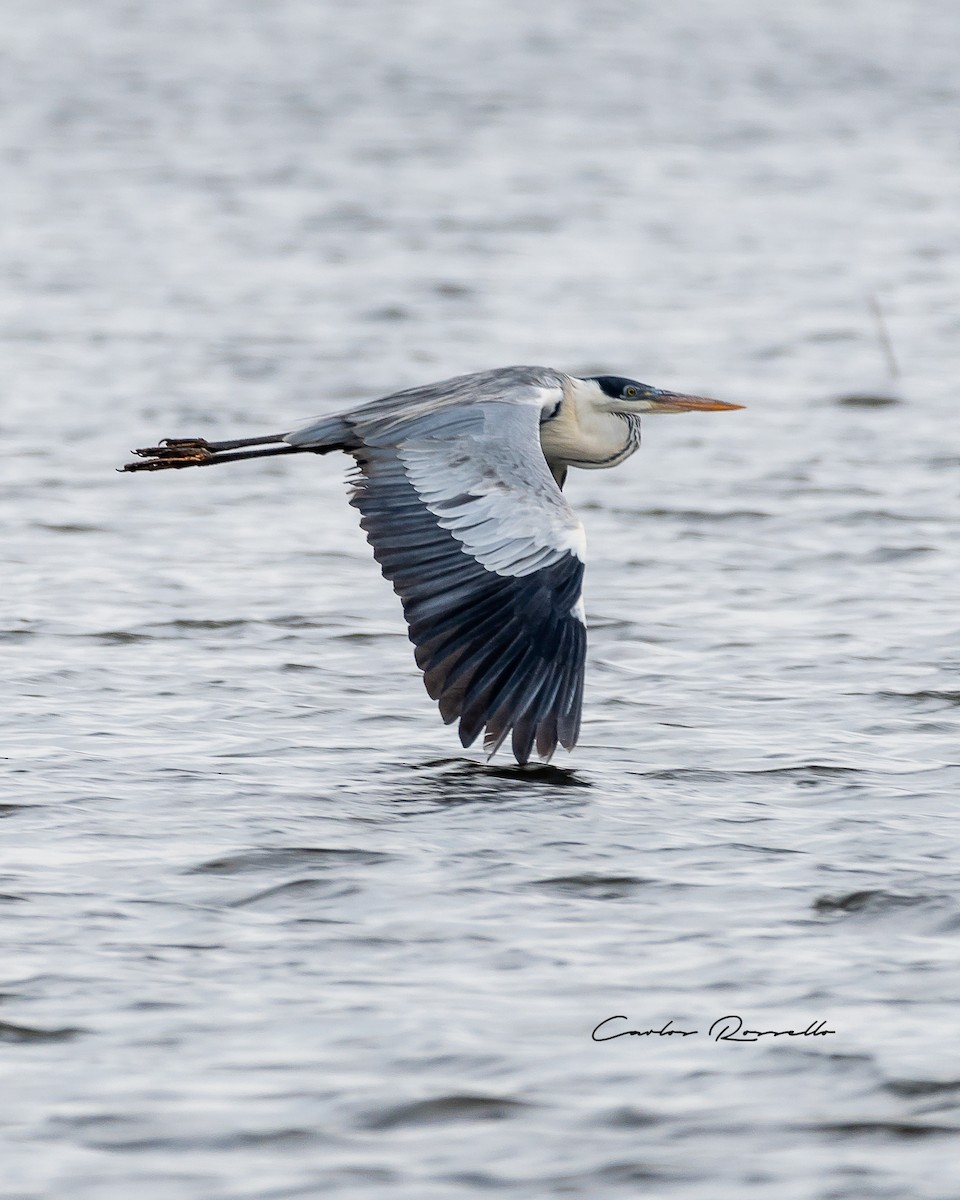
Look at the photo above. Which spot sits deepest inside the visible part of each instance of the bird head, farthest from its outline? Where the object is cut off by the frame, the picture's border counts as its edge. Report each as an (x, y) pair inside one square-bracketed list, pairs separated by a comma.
[(624, 396)]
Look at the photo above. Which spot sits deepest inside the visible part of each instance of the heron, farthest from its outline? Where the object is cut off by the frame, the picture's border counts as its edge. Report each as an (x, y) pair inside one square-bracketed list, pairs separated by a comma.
[(460, 490)]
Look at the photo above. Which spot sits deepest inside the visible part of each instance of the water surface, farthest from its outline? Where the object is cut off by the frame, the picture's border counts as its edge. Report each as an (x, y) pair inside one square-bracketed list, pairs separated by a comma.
[(267, 931)]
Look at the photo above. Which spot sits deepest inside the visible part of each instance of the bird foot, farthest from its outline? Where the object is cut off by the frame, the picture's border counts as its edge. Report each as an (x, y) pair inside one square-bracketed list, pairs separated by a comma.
[(172, 452)]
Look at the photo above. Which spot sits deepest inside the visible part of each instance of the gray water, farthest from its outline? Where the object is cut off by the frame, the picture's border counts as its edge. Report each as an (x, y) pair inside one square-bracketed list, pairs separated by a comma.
[(267, 931)]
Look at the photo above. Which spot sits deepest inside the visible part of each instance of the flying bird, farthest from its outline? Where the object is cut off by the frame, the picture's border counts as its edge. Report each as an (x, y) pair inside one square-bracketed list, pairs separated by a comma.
[(460, 489)]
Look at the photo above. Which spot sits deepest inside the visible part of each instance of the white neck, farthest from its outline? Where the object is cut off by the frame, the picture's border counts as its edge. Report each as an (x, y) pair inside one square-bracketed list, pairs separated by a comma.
[(584, 432)]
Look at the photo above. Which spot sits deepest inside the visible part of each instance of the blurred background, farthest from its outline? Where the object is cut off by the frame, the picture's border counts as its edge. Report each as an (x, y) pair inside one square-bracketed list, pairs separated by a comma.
[(365, 197), (268, 932)]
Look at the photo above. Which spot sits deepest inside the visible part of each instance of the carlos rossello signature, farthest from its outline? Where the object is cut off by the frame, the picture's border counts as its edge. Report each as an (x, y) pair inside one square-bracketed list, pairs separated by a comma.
[(725, 1029)]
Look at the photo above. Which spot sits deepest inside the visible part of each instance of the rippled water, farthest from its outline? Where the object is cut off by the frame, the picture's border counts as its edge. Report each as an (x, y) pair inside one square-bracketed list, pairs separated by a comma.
[(267, 931)]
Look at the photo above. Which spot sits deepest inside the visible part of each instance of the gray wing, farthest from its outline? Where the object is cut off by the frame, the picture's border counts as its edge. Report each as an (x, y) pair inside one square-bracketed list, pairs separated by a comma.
[(486, 555)]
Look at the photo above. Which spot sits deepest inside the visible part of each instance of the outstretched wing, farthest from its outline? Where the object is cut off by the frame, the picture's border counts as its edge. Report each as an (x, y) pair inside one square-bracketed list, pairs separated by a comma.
[(468, 523)]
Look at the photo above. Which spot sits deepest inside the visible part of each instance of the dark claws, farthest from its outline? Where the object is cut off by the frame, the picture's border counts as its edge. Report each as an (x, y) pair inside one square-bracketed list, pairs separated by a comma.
[(172, 452)]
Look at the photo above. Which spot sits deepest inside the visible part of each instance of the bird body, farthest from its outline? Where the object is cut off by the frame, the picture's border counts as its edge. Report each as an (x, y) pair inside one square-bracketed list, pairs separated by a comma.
[(459, 486)]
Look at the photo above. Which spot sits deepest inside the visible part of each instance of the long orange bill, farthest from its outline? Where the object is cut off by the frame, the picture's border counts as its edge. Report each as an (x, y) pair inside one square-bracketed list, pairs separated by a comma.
[(674, 402)]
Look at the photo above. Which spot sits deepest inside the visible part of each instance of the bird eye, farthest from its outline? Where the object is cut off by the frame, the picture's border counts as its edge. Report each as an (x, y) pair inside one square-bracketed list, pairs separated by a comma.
[(630, 392)]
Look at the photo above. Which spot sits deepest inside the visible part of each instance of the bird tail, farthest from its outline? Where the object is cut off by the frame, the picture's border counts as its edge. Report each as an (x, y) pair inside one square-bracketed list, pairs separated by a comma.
[(324, 435)]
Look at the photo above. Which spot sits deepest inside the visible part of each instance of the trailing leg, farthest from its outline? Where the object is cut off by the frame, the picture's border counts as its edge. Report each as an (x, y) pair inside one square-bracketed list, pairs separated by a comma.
[(198, 452)]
